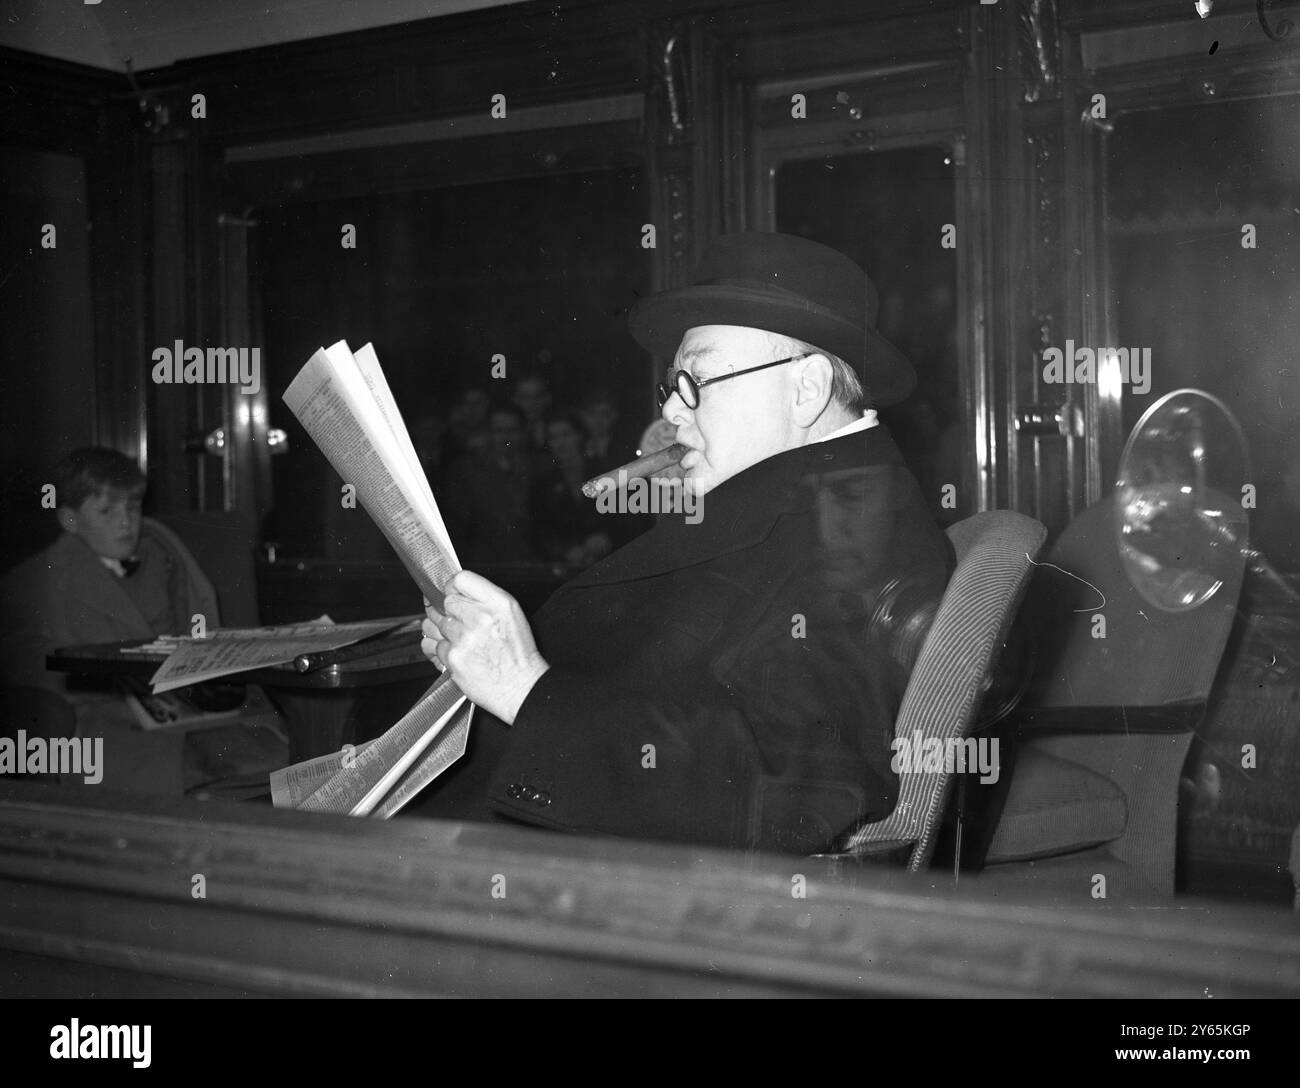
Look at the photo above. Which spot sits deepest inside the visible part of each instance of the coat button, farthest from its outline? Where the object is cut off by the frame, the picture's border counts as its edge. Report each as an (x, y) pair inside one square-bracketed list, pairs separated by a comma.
[(542, 798), (514, 790)]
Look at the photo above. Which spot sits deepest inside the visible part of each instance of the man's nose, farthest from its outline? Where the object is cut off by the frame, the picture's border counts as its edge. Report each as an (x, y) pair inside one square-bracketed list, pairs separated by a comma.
[(674, 410)]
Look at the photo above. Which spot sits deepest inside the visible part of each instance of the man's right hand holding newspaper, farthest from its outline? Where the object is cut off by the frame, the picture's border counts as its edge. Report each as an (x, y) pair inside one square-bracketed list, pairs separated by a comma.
[(481, 636)]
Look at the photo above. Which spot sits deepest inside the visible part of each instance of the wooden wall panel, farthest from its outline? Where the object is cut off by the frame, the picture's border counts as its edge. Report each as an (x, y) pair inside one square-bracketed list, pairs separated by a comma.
[(298, 905)]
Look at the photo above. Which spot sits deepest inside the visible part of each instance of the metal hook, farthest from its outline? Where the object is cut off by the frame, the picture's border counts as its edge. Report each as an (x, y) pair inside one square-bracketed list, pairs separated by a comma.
[(674, 111), (1283, 26), (147, 102)]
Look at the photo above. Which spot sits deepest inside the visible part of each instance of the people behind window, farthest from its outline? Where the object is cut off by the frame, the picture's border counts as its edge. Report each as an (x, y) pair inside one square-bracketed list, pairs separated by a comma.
[(566, 525), (467, 424), (507, 500), (532, 396), (485, 497), (610, 442)]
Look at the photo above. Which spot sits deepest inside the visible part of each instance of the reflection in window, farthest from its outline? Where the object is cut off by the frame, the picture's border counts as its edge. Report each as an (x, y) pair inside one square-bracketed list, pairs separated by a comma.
[(538, 270), (46, 314), (885, 210), (1204, 236)]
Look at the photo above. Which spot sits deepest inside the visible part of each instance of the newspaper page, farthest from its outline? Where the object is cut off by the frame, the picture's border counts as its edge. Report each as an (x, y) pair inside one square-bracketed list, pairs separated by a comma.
[(373, 375), (441, 754), (370, 449), (163, 645), (292, 785), (239, 649), (356, 790), (344, 402)]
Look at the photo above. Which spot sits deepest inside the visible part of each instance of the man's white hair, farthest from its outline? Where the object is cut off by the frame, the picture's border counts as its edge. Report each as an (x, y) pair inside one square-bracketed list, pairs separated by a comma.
[(847, 390)]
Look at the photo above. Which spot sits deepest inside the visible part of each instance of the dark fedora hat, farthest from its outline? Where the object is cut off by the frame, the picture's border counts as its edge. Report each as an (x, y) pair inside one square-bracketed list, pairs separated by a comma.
[(786, 285)]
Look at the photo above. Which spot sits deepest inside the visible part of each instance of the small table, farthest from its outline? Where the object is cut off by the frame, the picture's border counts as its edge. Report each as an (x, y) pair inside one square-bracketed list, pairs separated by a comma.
[(323, 710)]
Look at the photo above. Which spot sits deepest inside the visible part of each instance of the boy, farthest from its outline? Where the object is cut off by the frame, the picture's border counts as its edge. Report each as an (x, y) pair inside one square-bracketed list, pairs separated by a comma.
[(114, 575), (111, 575)]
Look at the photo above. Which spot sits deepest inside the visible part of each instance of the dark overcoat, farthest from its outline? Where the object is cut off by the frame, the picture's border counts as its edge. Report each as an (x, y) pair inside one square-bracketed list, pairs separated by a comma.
[(723, 682)]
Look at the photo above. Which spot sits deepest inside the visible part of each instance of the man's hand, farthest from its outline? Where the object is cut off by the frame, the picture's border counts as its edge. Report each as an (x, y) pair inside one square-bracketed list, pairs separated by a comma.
[(483, 638)]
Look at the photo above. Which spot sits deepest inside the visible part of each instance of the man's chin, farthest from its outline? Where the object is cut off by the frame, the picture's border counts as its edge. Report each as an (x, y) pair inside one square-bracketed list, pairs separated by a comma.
[(703, 479), (699, 484)]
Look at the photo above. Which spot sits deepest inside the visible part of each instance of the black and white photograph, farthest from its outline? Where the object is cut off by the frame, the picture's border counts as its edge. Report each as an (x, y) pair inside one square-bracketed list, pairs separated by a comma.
[(585, 499)]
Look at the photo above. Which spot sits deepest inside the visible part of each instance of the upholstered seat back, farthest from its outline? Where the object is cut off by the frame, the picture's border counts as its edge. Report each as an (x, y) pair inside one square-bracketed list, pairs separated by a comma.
[(1143, 656), (953, 671), (1105, 728), (222, 544)]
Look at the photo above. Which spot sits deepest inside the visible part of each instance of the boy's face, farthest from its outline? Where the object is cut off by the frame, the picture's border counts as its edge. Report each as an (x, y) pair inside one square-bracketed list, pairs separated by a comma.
[(109, 523)]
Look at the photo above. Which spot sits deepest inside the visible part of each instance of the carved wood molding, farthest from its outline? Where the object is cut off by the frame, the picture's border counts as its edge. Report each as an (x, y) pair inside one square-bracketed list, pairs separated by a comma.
[(299, 904), (1040, 48), (671, 120)]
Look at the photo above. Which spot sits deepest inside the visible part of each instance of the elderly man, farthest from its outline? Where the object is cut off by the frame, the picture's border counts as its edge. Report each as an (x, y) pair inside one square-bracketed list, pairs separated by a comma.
[(731, 682)]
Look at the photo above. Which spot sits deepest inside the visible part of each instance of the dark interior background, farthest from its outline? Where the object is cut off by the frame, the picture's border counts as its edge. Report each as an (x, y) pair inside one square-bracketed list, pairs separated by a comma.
[(47, 360), (881, 209), (540, 269)]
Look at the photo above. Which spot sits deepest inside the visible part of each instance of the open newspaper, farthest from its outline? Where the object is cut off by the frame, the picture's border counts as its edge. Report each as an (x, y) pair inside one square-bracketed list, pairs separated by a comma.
[(344, 402), (231, 650)]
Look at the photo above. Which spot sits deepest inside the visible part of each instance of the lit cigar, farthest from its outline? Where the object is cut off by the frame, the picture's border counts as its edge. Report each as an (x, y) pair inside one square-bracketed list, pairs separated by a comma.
[(641, 467)]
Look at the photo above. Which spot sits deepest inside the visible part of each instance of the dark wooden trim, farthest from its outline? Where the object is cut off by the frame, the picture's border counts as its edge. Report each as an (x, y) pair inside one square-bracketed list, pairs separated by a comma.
[(297, 904), (441, 68), (473, 160), (52, 104), (57, 106), (992, 196)]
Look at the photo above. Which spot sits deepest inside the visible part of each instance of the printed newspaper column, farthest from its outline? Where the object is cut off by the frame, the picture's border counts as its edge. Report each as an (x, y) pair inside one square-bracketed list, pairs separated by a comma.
[(346, 405), (441, 754), (347, 408), (292, 785), (375, 769)]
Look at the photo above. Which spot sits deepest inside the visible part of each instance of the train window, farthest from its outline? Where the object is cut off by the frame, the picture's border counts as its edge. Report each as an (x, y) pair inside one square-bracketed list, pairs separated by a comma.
[(1204, 252), (881, 209), (463, 290)]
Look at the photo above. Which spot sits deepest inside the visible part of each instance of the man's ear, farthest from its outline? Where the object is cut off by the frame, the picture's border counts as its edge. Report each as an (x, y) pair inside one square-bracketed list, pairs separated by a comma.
[(813, 380), (67, 519)]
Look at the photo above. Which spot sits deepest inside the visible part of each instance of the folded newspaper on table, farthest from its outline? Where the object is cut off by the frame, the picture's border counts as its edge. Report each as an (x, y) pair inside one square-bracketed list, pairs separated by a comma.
[(344, 402), (229, 650)]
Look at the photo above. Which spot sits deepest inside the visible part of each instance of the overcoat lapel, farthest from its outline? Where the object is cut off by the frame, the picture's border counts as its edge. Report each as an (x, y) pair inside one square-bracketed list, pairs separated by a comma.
[(740, 512), (105, 612)]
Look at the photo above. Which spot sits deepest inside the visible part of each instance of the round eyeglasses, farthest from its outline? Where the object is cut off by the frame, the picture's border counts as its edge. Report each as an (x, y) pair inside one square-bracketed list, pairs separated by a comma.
[(686, 387)]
